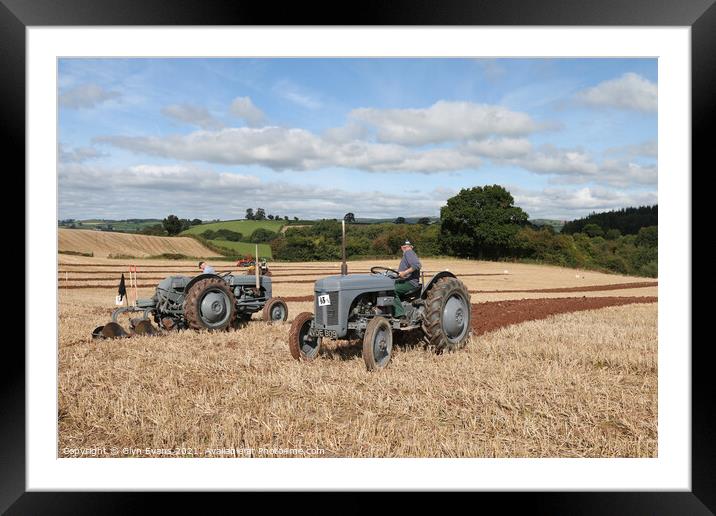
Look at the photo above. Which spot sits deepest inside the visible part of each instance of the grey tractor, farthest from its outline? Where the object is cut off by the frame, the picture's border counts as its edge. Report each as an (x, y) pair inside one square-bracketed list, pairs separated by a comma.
[(360, 306), (212, 302)]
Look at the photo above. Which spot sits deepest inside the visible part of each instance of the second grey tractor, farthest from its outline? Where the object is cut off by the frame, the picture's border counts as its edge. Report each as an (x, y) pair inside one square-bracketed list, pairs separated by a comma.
[(360, 306), (212, 302)]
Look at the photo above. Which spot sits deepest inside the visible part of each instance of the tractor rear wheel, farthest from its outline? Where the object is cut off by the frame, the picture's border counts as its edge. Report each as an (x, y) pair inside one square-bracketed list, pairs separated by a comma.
[(377, 343), (275, 310), (446, 322), (210, 304), (300, 343)]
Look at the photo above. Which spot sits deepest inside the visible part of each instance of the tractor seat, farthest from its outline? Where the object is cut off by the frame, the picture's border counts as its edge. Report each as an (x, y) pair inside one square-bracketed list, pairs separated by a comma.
[(412, 294)]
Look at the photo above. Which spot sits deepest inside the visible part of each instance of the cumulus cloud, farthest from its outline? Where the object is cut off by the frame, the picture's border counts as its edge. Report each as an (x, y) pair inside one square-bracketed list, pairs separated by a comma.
[(281, 148), (552, 160), (630, 91), (502, 148), (153, 190), (648, 149), (78, 154), (85, 96), (443, 122), (194, 115), (567, 204), (243, 108)]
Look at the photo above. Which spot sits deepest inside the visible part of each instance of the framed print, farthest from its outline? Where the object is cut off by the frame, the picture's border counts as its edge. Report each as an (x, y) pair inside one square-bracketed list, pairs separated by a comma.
[(222, 208)]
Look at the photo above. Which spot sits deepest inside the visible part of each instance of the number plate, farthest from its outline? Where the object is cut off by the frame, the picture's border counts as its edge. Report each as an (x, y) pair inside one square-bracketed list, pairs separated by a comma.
[(331, 334), (324, 300)]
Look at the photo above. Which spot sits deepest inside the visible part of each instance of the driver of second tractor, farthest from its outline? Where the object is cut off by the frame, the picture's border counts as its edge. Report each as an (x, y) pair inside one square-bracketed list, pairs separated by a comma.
[(409, 272)]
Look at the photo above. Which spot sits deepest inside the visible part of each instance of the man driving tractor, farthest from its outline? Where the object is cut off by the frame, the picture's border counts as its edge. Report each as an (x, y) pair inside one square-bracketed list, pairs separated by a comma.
[(409, 272)]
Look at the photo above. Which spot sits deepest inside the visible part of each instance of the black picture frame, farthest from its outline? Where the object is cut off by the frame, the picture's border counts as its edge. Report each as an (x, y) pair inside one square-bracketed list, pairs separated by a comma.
[(699, 15)]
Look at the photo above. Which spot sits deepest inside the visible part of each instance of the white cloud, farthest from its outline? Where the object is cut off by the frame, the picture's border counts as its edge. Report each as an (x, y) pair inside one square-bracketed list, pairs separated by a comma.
[(647, 149), (156, 190), (567, 204), (502, 148), (630, 91), (86, 96), (243, 108), (78, 154), (194, 115), (551, 160), (280, 148), (444, 121)]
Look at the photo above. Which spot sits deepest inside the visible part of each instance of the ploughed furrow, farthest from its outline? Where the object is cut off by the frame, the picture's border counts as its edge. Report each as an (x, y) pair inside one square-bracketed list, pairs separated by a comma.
[(493, 315), (586, 288)]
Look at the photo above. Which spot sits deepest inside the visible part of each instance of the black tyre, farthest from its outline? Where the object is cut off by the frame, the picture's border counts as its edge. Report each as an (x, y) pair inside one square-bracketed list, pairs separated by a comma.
[(446, 323), (300, 343), (275, 310), (377, 343), (210, 304)]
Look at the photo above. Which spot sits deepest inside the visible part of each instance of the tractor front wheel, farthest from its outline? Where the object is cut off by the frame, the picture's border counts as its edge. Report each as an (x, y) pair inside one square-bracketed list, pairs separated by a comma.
[(301, 344), (377, 343), (275, 310)]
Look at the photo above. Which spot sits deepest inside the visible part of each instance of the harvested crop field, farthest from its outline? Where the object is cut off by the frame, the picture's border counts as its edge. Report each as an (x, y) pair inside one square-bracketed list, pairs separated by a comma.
[(562, 363), (103, 244)]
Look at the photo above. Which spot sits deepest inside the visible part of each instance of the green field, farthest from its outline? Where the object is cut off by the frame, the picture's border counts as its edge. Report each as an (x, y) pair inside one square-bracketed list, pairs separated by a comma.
[(122, 226), (245, 227), (244, 248)]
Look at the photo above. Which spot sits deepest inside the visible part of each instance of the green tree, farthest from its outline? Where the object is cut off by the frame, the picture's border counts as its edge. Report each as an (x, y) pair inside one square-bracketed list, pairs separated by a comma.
[(262, 235), (593, 230), (480, 222), (154, 230), (172, 225), (647, 237), (613, 234), (400, 220), (260, 214), (196, 222), (349, 217), (424, 221), (250, 214)]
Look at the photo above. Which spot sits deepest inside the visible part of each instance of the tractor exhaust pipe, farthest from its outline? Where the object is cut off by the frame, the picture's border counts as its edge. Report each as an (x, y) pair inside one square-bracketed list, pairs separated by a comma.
[(344, 265)]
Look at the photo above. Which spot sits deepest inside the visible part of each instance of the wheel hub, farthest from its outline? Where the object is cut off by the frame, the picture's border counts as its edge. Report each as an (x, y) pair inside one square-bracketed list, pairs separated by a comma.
[(214, 308), (454, 319)]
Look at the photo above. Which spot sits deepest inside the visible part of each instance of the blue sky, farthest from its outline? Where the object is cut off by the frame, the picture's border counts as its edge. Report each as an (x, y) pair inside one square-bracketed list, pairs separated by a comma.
[(317, 138)]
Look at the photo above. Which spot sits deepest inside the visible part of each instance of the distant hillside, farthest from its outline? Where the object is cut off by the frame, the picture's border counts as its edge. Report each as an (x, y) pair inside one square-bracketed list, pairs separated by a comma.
[(124, 226), (627, 220), (104, 243), (245, 227), (557, 225), (408, 220)]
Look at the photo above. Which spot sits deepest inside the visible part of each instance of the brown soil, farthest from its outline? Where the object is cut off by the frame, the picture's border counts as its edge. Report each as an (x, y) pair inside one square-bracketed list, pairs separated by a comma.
[(586, 288), (493, 315)]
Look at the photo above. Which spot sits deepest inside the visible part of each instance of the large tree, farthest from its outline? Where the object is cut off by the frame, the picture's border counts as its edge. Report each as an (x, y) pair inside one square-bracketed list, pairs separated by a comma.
[(173, 225), (480, 222), (349, 217)]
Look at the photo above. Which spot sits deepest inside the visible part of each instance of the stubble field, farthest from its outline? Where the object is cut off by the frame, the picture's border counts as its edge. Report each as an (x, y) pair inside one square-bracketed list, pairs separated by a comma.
[(562, 363)]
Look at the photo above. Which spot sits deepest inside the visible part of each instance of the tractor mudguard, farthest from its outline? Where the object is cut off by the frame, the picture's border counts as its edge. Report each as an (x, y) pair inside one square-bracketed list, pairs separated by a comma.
[(441, 274), (198, 278)]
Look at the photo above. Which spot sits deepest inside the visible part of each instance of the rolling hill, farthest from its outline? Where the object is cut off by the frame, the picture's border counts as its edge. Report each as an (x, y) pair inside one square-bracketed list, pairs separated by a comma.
[(103, 244)]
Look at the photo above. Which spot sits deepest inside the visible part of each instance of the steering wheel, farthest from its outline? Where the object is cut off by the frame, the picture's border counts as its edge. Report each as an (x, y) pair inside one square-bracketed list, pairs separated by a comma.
[(391, 273), (223, 275)]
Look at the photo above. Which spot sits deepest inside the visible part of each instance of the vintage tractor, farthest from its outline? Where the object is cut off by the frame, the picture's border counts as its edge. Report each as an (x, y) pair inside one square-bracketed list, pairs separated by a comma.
[(213, 302), (360, 306)]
